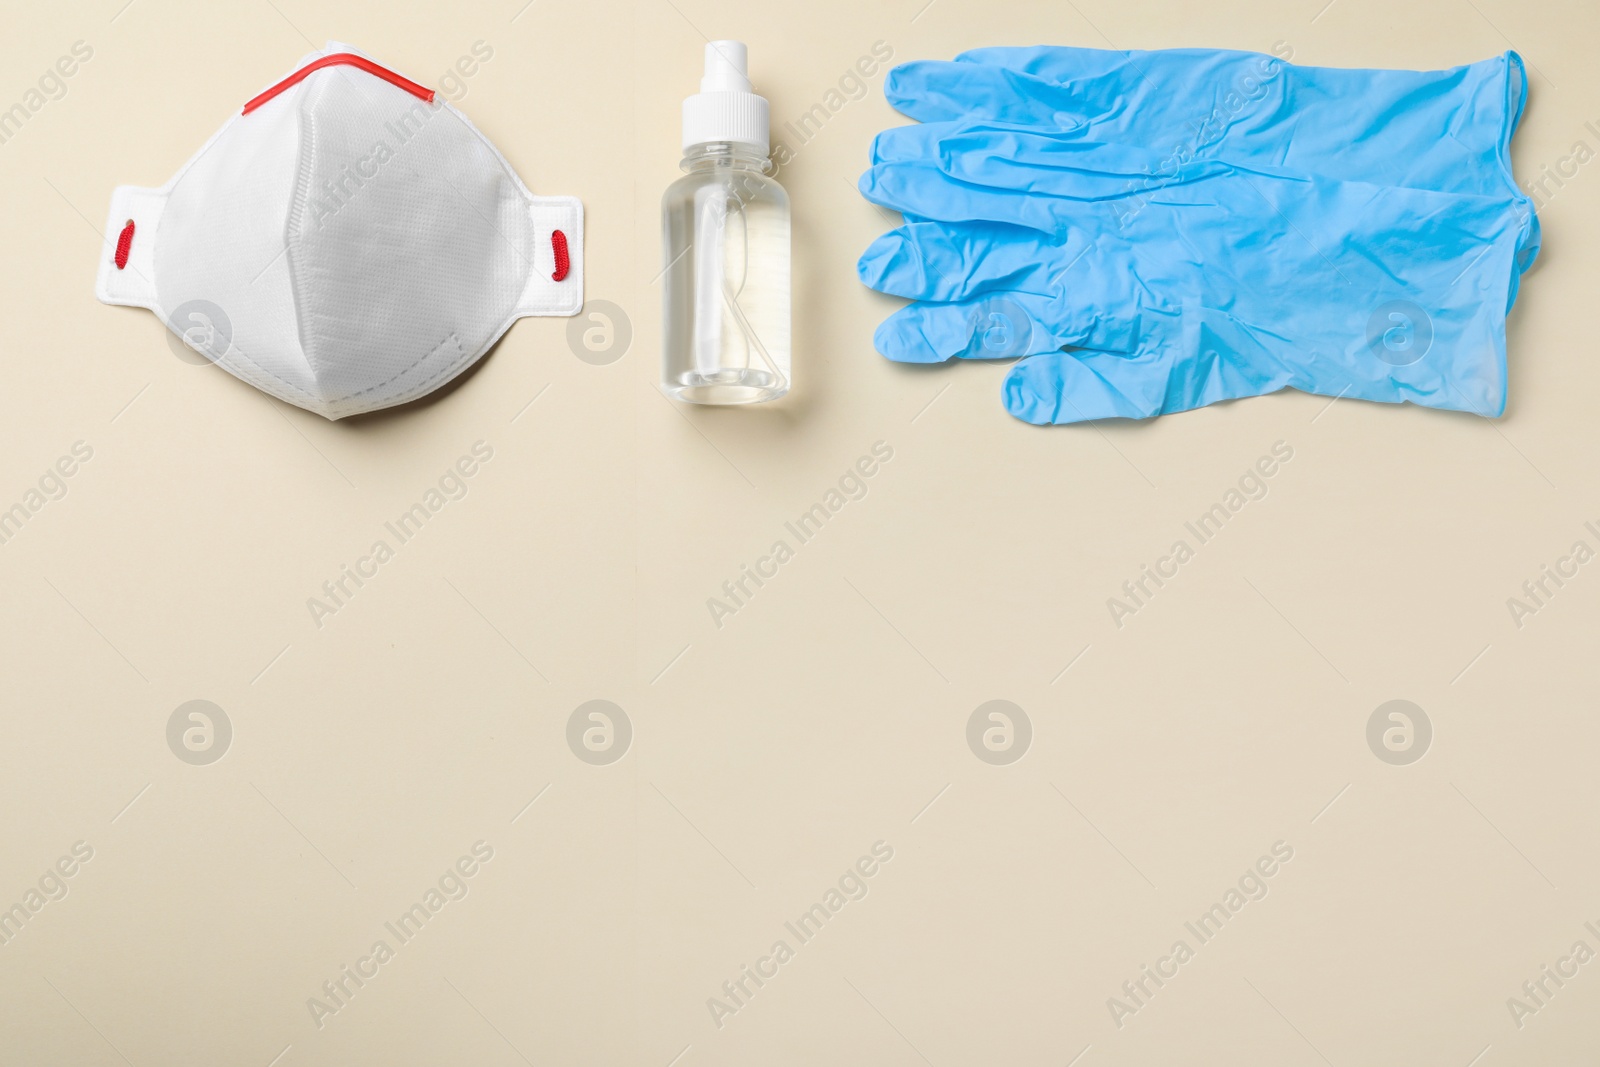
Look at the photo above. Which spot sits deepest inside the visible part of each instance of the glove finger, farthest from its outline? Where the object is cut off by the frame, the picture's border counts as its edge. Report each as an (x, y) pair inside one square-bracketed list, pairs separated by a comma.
[(1157, 93), (1184, 360), (1179, 101), (935, 91), (920, 190), (1173, 81), (953, 261), (916, 143), (996, 326), (938, 261), (1023, 159), (935, 141), (1064, 63), (1062, 387), (1036, 161), (1044, 149)]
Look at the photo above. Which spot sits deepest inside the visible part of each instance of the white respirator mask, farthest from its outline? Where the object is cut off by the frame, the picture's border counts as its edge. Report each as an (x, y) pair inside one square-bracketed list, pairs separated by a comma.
[(346, 243)]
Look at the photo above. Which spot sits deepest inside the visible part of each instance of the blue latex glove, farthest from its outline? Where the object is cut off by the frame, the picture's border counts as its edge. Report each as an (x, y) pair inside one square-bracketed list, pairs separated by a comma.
[(1180, 283), (1446, 130)]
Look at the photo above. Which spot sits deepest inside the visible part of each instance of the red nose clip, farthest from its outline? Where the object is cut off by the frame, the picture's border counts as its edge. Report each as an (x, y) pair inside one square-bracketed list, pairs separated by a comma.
[(346, 59)]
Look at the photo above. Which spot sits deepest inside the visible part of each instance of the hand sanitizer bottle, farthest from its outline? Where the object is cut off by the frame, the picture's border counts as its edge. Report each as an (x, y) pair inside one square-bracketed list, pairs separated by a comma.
[(725, 237)]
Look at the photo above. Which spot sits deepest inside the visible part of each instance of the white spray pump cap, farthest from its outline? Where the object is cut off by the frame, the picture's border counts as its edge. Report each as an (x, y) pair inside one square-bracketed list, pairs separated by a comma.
[(726, 108)]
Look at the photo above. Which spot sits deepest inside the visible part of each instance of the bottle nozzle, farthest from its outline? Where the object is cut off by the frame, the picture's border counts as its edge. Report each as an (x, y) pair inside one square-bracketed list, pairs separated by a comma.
[(726, 108), (727, 68)]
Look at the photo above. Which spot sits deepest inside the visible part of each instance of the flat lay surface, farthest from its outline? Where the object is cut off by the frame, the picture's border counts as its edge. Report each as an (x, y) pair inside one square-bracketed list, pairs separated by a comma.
[(546, 719)]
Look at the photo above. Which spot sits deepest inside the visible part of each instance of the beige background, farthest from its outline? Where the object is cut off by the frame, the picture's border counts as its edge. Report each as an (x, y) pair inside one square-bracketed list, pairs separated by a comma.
[(829, 713)]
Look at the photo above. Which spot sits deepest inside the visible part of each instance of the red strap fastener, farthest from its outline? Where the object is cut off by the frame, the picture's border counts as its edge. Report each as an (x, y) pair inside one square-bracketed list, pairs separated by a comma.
[(347, 59), (558, 244), (124, 242)]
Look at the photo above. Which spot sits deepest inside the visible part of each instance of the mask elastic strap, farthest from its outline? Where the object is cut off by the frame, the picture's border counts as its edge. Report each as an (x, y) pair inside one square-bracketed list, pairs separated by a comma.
[(127, 250), (346, 59), (554, 283)]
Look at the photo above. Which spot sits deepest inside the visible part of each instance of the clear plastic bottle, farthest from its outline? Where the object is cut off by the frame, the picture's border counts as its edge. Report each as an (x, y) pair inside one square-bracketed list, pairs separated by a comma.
[(725, 238)]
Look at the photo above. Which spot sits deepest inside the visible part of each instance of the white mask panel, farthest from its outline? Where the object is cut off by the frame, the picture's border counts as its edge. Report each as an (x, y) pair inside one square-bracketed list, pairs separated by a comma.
[(345, 244)]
